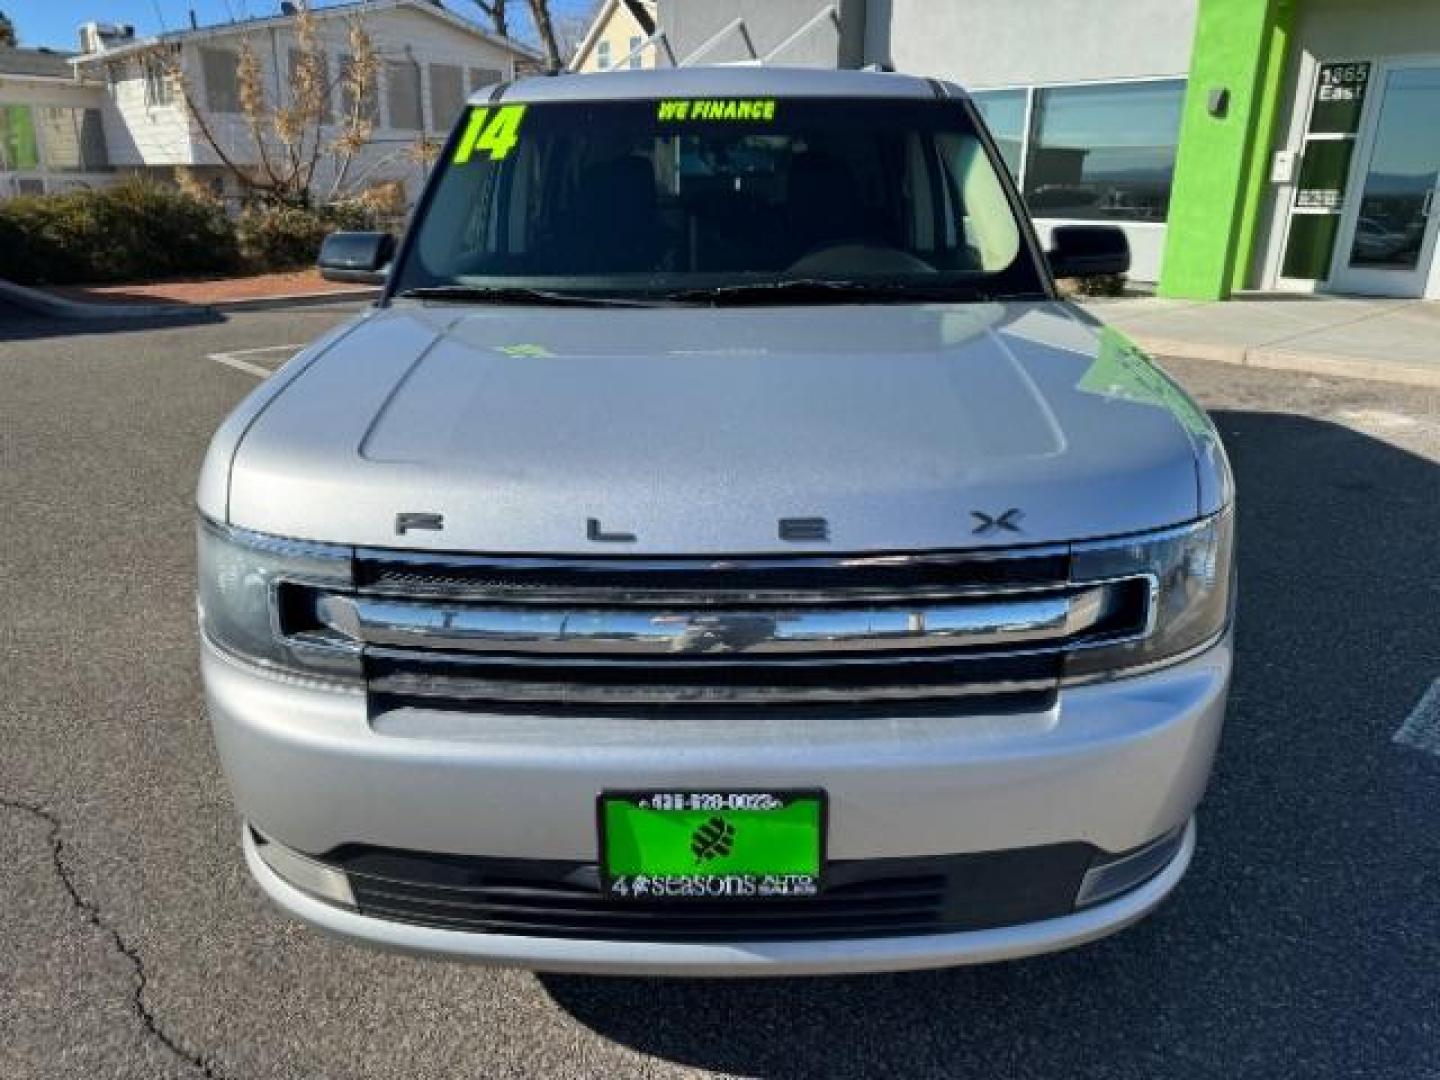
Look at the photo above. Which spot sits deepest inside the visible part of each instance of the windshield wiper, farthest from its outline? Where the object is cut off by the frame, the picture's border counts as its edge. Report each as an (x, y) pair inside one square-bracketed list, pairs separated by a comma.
[(480, 294), (823, 291)]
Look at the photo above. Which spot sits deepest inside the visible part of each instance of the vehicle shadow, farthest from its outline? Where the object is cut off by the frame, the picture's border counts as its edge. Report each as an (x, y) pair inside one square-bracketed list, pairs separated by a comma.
[(1306, 938), (18, 324)]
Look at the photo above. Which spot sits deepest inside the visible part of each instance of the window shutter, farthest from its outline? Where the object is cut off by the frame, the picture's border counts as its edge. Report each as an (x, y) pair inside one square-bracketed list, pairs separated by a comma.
[(220, 71), (402, 94), (447, 95)]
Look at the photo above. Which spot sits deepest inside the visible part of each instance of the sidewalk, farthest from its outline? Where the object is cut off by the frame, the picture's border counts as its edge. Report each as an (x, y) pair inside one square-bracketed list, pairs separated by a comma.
[(1390, 340), (278, 287)]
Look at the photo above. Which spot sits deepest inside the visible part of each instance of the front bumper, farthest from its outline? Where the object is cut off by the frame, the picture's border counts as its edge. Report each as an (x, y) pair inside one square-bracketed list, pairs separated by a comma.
[(1114, 765), (827, 957)]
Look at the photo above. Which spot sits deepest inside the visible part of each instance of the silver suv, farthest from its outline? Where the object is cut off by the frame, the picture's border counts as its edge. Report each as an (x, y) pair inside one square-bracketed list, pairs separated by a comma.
[(720, 551)]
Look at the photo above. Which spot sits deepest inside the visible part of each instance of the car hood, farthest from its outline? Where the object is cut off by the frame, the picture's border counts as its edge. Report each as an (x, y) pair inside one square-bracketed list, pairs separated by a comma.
[(697, 430)]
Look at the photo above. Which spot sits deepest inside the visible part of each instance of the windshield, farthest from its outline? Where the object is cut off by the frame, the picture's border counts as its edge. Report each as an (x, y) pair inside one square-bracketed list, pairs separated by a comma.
[(685, 199)]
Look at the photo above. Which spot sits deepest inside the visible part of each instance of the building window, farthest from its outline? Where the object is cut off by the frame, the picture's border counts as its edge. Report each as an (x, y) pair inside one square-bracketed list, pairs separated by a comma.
[(158, 90), (1004, 114), (634, 51), (219, 69), (294, 58), (447, 95), (402, 94), (484, 77), (369, 109), (1104, 152), (602, 55), (18, 147), (94, 150), (72, 140)]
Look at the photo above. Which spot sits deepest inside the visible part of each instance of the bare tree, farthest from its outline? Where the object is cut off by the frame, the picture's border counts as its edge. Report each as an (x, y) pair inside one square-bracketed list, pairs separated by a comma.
[(358, 81), (495, 11), (641, 14), (290, 141), (545, 30), (570, 31), (497, 17)]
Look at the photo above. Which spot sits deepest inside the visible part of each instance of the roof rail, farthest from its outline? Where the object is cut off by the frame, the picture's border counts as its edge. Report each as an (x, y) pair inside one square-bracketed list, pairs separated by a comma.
[(661, 40)]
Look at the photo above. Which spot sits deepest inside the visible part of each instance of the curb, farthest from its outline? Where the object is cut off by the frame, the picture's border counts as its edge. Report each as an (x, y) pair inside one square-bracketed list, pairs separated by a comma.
[(44, 303), (1330, 365), (263, 303)]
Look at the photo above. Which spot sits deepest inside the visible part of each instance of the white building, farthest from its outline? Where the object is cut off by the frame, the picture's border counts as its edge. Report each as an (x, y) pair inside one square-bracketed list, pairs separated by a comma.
[(431, 59), (51, 133)]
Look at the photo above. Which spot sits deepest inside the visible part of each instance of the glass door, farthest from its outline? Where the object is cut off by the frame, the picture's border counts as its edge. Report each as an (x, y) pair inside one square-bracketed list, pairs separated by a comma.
[(1387, 237)]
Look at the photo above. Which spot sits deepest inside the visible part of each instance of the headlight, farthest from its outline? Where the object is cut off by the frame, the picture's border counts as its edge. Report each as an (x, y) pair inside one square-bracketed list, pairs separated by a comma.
[(1191, 575), (243, 600)]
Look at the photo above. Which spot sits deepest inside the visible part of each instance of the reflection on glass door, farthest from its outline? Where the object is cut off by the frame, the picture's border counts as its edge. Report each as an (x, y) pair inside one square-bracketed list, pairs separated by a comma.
[(1388, 243), (1337, 104)]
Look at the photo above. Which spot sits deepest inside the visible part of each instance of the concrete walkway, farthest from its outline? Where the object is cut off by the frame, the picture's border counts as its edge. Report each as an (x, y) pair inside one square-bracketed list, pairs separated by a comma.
[(1390, 340), (279, 287)]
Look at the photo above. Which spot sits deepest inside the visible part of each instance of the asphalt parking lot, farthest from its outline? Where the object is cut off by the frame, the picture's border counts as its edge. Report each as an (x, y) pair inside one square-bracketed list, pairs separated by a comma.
[(1304, 942)]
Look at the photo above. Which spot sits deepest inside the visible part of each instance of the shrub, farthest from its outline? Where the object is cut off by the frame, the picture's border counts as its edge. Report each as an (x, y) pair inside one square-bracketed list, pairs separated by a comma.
[(279, 237), (141, 231), (133, 231), (1103, 285), (33, 247), (353, 216), (286, 237)]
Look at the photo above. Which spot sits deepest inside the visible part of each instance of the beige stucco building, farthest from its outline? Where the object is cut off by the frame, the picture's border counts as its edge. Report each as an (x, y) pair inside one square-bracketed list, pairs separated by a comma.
[(616, 36)]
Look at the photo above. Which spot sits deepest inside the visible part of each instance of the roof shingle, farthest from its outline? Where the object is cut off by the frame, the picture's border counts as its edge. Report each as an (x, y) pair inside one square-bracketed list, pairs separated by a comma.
[(44, 62)]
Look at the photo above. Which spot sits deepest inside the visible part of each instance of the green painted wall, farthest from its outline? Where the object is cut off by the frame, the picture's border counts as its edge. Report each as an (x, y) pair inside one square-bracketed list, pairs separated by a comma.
[(1223, 162)]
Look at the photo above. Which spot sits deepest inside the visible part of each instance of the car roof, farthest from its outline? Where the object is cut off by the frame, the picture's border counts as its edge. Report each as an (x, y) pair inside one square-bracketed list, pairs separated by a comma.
[(720, 80)]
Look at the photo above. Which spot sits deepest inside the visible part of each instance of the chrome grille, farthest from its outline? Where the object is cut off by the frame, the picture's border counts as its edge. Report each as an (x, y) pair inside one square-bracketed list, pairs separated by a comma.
[(749, 631), (557, 635)]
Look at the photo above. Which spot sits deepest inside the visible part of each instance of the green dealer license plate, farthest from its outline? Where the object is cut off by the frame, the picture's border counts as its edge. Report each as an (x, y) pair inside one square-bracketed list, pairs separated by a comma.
[(680, 845)]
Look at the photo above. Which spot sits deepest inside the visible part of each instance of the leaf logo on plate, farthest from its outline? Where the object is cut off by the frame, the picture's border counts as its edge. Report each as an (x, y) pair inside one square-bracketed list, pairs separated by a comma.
[(712, 840)]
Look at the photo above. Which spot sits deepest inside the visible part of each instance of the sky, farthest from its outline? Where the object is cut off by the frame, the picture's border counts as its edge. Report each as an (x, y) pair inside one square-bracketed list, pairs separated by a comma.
[(54, 22)]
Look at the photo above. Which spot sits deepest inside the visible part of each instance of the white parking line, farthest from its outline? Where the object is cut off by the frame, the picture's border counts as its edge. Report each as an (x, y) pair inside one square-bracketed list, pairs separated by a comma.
[(1421, 729), (233, 359)]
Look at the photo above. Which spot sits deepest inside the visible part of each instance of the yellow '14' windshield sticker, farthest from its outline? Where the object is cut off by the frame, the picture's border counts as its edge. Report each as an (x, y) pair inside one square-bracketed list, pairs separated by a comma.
[(717, 109), (494, 133)]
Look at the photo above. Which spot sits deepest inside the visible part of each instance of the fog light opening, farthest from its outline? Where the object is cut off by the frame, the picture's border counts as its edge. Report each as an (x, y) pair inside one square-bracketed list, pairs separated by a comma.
[(303, 873), (1111, 875)]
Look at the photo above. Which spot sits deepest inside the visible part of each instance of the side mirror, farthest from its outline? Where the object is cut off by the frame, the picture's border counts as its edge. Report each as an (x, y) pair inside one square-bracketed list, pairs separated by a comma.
[(358, 257), (1081, 251)]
